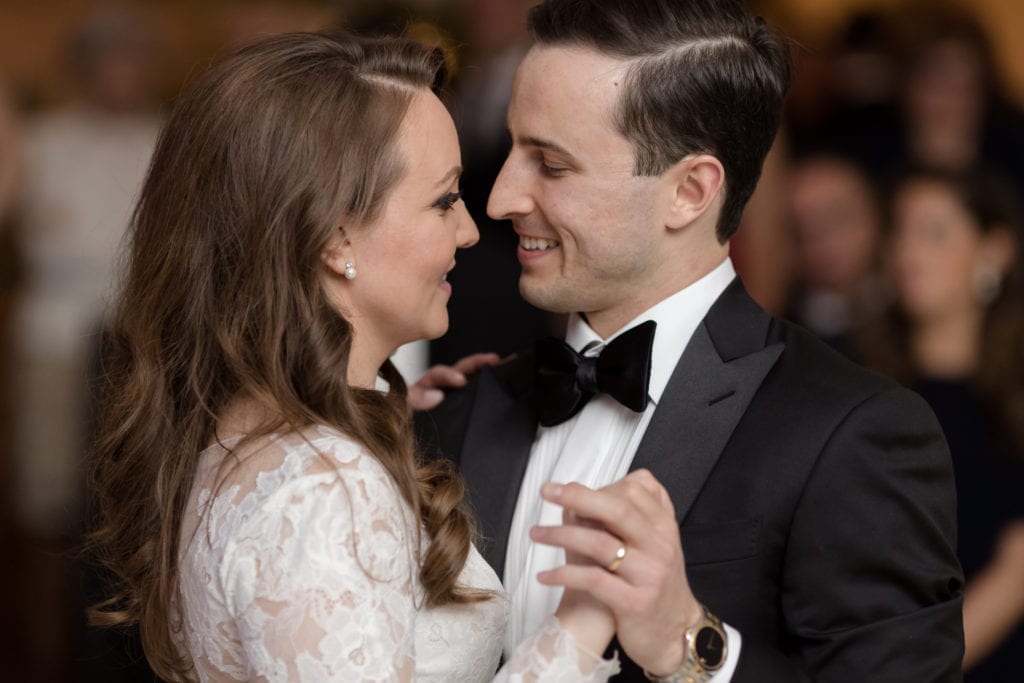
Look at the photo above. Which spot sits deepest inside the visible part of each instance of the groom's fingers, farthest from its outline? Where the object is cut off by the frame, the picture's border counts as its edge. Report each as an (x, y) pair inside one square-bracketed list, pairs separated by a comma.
[(643, 491), (614, 508), (596, 545), (605, 586), (645, 479)]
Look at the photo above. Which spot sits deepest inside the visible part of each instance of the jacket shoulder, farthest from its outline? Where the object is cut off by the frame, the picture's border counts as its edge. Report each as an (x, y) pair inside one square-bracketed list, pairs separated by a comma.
[(441, 431), (821, 371)]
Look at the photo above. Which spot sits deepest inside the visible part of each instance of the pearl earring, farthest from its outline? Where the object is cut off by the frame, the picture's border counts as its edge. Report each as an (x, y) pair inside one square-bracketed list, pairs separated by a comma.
[(350, 270)]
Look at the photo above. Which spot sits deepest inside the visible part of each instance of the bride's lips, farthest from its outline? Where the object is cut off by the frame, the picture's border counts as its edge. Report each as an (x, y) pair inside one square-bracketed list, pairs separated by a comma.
[(446, 286)]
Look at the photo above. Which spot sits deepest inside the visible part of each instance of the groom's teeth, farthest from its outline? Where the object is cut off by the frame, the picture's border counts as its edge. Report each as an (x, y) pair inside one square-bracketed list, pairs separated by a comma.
[(537, 244)]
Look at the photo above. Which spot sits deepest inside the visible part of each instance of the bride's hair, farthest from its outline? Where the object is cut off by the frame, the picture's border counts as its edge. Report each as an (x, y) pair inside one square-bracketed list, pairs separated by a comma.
[(260, 162)]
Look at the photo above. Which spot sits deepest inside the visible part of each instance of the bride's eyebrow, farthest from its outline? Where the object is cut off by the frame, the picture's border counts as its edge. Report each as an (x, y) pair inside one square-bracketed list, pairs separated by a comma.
[(455, 172)]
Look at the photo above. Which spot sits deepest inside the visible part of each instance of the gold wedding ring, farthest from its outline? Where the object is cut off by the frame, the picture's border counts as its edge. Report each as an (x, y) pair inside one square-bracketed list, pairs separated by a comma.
[(614, 565)]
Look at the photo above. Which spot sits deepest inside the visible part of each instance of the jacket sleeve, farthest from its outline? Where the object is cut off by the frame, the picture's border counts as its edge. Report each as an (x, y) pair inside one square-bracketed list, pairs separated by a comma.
[(871, 587)]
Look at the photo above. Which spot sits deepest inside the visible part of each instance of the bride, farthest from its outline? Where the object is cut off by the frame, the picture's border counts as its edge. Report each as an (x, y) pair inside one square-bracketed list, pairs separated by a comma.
[(262, 505)]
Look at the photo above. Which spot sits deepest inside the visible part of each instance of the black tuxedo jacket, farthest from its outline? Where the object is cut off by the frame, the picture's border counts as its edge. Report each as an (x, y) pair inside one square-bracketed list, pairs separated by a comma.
[(815, 499)]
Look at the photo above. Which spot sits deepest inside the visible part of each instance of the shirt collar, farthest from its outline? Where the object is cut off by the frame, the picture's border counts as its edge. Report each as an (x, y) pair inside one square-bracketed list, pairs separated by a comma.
[(677, 318)]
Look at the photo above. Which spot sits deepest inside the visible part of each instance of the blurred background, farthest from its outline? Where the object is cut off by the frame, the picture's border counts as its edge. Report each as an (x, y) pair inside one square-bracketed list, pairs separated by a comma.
[(887, 222)]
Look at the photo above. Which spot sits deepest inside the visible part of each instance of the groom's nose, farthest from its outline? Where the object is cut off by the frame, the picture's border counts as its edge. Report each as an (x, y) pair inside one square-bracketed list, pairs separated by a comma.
[(510, 195)]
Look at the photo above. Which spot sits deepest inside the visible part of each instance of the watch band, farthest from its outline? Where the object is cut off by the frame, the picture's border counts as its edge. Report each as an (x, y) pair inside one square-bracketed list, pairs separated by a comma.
[(696, 666)]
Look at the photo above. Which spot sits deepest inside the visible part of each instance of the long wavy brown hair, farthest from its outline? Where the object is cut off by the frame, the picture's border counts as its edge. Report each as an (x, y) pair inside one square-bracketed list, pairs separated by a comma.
[(885, 344), (260, 162)]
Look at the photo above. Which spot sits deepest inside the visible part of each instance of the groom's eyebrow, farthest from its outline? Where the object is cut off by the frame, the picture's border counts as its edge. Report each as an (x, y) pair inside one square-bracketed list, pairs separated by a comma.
[(541, 143)]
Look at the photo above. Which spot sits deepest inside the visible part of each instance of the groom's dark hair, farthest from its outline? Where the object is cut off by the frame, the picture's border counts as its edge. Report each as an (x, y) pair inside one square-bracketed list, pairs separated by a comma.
[(706, 77)]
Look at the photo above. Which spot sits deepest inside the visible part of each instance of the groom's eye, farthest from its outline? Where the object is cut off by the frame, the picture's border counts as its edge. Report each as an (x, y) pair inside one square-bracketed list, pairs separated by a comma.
[(550, 170)]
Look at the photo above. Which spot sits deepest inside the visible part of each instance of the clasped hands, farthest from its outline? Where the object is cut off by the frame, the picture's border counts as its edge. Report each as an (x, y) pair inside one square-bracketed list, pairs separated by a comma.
[(624, 572)]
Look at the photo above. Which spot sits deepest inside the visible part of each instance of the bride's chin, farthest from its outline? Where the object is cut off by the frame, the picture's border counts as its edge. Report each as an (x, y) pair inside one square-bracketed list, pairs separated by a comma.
[(437, 328)]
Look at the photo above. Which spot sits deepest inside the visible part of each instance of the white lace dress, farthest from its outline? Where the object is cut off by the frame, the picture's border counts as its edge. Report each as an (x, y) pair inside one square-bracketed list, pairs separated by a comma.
[(299, 564)]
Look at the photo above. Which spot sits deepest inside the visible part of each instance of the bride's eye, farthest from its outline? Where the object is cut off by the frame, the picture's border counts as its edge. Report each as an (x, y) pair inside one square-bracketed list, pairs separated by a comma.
[(447, 202)]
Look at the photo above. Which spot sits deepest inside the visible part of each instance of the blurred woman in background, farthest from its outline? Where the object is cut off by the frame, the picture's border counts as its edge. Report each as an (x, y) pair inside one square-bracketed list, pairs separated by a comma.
[(955, 333)]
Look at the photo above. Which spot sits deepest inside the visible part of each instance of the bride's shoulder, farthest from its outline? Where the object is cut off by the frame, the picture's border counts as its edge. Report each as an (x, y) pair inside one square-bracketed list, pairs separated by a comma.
[(318, 457), (317, 480)]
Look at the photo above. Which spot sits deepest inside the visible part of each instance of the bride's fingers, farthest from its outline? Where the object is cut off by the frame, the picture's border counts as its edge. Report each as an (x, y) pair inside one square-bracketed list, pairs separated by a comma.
[(441, 377), (597, 545), (470, 365)]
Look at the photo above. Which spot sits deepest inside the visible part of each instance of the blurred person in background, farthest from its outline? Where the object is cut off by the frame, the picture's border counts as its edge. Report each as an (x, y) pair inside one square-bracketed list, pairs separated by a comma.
[(847, 92), (84, 164), (760, 248), (10, 177), (10, 185), (955, 114), (836, 223), (10, 153), (955, 333)]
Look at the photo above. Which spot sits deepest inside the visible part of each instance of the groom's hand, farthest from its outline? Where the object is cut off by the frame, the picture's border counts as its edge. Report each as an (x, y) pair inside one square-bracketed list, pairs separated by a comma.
[(428, 391), (647, 590)]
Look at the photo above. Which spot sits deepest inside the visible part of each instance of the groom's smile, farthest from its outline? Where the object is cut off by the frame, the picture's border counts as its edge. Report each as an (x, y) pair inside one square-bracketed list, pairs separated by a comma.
[(532, 248)]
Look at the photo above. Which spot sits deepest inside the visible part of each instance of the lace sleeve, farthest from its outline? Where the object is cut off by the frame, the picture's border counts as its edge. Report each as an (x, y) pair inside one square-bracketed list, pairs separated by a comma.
[(551, 656), (320, 580)]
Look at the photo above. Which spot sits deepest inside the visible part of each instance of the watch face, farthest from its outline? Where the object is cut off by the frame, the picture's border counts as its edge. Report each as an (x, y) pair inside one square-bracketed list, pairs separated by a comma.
[(709, 646)]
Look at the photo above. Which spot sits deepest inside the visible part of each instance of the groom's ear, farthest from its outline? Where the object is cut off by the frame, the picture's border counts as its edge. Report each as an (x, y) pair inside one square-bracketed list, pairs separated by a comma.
[(338, 252), (697, 183)]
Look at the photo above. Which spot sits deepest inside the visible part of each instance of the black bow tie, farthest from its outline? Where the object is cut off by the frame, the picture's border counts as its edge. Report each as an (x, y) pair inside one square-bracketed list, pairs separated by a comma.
[(565, 380)]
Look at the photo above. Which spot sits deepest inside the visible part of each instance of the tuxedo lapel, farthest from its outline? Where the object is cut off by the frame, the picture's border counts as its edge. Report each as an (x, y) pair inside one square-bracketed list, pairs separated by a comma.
[(709, 391), (495, 453)]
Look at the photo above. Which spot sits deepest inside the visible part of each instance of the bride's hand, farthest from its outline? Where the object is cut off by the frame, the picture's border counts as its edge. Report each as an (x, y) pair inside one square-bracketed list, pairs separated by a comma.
[(590, 622), (428, 391)]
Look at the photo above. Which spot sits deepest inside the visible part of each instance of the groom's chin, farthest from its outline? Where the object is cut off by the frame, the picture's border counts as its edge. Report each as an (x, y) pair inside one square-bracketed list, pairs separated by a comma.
[(545, 295)]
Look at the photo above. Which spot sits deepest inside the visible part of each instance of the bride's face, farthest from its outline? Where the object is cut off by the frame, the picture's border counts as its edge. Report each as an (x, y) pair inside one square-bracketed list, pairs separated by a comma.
[(402, 258)]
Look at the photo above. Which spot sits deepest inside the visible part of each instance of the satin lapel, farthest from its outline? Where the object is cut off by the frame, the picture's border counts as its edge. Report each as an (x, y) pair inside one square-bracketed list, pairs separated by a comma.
[(707, 395), (494, 456)]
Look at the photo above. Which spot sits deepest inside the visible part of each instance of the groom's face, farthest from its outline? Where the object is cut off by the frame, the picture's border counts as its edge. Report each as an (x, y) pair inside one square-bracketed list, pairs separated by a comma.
[(589, 229)]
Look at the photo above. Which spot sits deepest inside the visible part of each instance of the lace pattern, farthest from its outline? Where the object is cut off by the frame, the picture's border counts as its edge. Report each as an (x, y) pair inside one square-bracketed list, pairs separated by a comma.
[(299, 563)]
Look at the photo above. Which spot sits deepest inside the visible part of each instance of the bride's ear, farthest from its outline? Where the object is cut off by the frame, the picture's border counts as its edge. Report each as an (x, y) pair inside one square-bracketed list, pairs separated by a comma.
[(338, 254)]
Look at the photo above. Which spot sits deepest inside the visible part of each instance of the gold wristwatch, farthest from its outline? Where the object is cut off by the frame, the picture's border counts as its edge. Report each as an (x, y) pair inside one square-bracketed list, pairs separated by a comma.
[(705, 646)]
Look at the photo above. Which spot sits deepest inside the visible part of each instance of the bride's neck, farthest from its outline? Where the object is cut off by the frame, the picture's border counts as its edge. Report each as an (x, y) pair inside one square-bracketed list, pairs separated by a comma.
[(365, 359)]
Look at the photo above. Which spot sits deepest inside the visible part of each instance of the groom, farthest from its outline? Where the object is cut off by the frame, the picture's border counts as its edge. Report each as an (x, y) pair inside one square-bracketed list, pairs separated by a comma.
[(813, 501)]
